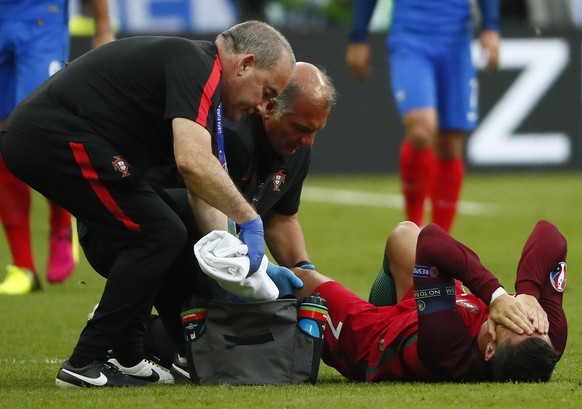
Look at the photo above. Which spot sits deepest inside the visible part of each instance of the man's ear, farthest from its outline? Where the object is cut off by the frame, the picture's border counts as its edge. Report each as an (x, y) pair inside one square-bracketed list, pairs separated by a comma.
[(490, 350), (248, 60), (267, 109)]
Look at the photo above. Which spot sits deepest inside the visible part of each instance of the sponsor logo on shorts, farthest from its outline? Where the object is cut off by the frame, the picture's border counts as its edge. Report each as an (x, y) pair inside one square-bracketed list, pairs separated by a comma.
[(558, 277)]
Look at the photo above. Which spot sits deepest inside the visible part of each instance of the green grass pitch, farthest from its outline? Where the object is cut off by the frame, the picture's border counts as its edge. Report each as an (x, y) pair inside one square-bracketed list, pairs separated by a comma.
[(345, 238)]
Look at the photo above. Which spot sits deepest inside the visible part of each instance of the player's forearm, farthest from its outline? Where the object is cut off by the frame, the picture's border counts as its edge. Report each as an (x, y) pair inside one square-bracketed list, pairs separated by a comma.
[(436, 248), (363, 10), (543, 250), (207, 217), (540, 274), (203, 174), (101, 17), (208, 181), (311, 280), (284, 237)]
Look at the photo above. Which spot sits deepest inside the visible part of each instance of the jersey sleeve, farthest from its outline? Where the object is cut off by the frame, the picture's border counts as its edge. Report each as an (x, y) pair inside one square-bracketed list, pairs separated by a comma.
[(362, 14), (490, 14), (437, 248), (541, 272)]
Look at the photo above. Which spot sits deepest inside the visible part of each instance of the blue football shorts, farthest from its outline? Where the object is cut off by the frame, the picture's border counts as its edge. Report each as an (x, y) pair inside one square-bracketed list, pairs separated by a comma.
[(431, 73), (30, 52)]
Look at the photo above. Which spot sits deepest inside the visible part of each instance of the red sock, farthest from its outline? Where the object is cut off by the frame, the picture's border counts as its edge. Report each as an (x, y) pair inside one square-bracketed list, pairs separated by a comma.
[(446, 192), (15, 213), (416, 171), (59, 219)]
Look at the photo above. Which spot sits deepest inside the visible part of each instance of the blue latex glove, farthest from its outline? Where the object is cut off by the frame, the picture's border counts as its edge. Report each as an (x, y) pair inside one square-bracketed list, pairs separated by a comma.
[(284, 279), (253, 235)]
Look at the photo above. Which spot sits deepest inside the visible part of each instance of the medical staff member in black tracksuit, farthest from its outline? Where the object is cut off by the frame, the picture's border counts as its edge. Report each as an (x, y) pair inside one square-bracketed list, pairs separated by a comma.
[(86, 135)]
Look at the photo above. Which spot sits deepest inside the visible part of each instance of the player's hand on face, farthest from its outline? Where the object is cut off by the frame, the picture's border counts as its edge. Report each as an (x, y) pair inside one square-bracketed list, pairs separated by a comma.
[(358, 60), (536, 313), (511, 313)]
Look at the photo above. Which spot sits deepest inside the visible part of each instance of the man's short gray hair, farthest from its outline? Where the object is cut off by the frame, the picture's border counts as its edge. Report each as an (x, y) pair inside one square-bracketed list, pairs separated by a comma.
[(285, 101), (258, 38)]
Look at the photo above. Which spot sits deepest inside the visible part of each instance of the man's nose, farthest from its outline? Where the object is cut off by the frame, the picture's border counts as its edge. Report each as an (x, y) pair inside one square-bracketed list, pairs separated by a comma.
[(308, 140)]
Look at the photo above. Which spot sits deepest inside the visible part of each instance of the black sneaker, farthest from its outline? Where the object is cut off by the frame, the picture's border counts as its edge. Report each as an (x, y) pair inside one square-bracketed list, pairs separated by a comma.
[(96, 374), (179, 370)]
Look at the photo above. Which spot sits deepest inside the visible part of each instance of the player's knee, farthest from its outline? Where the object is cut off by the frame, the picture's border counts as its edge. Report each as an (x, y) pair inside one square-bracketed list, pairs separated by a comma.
[(421, 128), (403, 231), (420, 136), (406, 228)]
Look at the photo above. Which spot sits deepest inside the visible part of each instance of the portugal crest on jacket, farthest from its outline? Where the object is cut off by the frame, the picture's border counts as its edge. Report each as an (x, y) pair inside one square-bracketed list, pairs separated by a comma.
[(278, 180), (120, 165)]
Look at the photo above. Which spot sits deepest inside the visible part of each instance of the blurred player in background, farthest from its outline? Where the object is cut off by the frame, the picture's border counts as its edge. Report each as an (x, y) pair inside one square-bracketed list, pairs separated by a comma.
[(434, 85), (34, 44), (437, 332)]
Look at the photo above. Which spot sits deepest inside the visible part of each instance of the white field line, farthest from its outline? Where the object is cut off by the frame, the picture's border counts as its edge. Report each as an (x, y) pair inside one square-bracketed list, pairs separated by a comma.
[(356, 198), (14, 361)]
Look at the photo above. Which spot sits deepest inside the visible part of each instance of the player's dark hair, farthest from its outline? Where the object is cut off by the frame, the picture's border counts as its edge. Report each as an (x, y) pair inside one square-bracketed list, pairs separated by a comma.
[(531, 360), (258, 38)]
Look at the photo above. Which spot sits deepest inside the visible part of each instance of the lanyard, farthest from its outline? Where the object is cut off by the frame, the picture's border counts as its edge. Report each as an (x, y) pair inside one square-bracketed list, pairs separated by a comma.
[(220, 137), (222, 156)]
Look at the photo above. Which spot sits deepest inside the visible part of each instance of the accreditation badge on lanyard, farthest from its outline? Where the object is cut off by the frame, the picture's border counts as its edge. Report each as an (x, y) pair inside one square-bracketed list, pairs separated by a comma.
[(222, 156)]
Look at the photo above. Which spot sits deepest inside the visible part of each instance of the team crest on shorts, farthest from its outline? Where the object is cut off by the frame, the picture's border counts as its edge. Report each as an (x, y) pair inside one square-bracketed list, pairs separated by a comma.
[(558, 277), (278, 180), (120, 165)]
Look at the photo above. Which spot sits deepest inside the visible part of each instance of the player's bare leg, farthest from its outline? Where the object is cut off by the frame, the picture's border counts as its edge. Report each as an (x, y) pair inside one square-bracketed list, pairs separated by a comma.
[(311, 280), (401, 253)]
